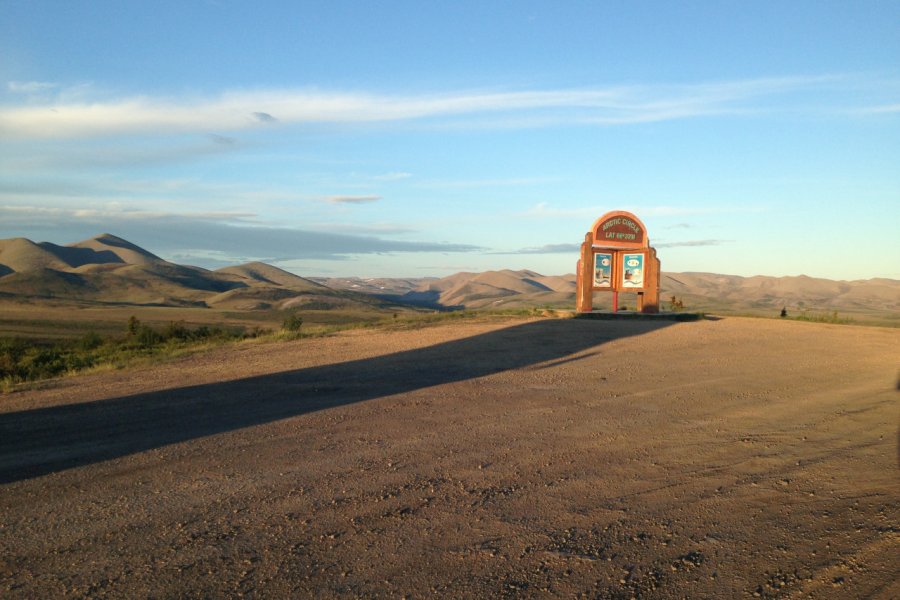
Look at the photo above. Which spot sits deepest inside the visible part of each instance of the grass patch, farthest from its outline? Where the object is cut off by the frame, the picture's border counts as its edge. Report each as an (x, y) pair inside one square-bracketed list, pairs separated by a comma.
[(28, 360), (24, 361), (826, 317), (436, 318)]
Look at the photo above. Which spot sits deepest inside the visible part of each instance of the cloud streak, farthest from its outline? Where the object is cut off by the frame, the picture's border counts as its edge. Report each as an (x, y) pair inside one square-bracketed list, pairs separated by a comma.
[(352, 199), (550, 249), (393, 176), (29, 87), (198, 236), (238, 110), (691, 243), (543, 210)]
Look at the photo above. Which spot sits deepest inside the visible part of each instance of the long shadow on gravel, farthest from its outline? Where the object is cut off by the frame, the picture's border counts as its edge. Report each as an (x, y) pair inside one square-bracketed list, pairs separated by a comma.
[(42, 441)]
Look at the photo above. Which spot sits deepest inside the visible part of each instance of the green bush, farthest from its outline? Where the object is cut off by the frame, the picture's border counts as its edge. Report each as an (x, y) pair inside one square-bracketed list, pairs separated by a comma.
[(292, 322), (22, 360), (90, 341), (42, 364), (133, 325), (178, 331), (147, 337)]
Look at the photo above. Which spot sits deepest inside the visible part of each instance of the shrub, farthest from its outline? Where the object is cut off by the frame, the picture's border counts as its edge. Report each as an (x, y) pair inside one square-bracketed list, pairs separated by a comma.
[(292, 322), (42, 364), (90, 341), (133, 325), (147, 337), (22, 360), (11, 352), (177, 331)]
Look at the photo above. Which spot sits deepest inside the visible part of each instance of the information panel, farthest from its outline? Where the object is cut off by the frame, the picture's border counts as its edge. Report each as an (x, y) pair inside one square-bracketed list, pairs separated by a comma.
[(603, 263), (633, 271)]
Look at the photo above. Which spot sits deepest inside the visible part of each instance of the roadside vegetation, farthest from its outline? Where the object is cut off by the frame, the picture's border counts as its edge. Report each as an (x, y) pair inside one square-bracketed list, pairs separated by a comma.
[(24, 360), (826, 317), (27, 360)]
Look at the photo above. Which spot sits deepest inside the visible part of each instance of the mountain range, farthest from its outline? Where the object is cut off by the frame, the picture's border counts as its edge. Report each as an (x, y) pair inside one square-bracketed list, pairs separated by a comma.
[(109, 269)]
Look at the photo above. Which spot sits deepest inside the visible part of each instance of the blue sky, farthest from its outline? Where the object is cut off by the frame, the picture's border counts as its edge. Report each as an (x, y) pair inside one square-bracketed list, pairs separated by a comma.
[(416, 139)]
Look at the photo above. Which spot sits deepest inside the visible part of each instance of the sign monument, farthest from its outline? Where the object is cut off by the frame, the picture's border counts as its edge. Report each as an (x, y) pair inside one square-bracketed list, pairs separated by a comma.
[(616, 257)]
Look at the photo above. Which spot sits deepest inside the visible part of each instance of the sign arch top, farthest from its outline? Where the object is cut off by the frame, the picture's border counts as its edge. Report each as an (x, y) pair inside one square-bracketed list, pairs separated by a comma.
[(619, 229)]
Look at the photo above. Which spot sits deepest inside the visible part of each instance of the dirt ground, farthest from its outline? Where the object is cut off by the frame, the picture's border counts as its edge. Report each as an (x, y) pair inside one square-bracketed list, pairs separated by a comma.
[(723, 458)]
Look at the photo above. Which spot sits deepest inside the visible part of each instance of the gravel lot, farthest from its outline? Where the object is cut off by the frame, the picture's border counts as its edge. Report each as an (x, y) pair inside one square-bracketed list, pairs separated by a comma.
[(722, 458)]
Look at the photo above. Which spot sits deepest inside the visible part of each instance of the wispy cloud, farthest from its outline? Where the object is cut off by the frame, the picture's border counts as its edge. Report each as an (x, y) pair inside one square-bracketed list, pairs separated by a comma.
[(394, 176), (479, 183), (231, 111), (880, 109), (41, 215), (550, 249), (54, 157), (691, 243), (202, 235), (574, 248), (221, 140), (264, 117), (117, 191), (544, 210), (352, 199), (367, 229), (29, 87)]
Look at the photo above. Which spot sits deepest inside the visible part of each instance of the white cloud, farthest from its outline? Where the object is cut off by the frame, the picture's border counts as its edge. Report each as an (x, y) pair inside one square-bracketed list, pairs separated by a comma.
[(238, 110), (543, 210), (394, 176), (880, 110)]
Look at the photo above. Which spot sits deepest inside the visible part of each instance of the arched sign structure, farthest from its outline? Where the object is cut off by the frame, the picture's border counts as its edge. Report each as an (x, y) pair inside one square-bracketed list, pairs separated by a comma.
[(616, 257)]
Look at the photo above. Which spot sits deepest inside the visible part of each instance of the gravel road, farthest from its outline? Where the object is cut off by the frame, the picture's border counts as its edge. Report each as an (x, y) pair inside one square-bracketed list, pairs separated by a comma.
[(723, 458)]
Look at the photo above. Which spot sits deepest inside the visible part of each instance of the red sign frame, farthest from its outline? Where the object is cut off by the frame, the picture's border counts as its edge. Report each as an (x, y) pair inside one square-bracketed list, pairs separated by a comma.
[(619, 229)]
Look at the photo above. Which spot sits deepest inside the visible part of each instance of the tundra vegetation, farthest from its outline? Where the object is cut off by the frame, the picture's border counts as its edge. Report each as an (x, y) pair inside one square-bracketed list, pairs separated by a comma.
[(30, 359), (23, 360)]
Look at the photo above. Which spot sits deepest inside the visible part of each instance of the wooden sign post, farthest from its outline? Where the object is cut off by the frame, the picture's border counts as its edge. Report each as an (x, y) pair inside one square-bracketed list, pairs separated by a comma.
[(616, 257)]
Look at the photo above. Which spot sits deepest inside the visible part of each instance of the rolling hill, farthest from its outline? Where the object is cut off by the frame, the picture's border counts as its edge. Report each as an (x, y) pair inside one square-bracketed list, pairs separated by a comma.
[(108, 269), (697, 291)]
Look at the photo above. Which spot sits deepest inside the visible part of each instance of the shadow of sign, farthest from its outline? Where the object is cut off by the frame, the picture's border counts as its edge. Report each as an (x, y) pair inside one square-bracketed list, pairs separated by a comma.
[(43, 441)]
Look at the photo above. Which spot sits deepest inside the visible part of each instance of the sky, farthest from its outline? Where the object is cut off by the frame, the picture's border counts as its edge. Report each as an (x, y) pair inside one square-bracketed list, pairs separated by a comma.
[(423, 138)]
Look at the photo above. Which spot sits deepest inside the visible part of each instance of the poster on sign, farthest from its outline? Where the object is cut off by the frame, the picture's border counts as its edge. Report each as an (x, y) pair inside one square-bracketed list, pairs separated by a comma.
[(603, 270), (633, 271)]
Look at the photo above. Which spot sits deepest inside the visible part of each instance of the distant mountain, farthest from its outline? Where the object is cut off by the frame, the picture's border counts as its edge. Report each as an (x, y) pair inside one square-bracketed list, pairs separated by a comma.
[(697, 291), (262, 273), (20, 254), (496, 288), (376, 286), (108, 269), (109, 246), (796, 293)]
